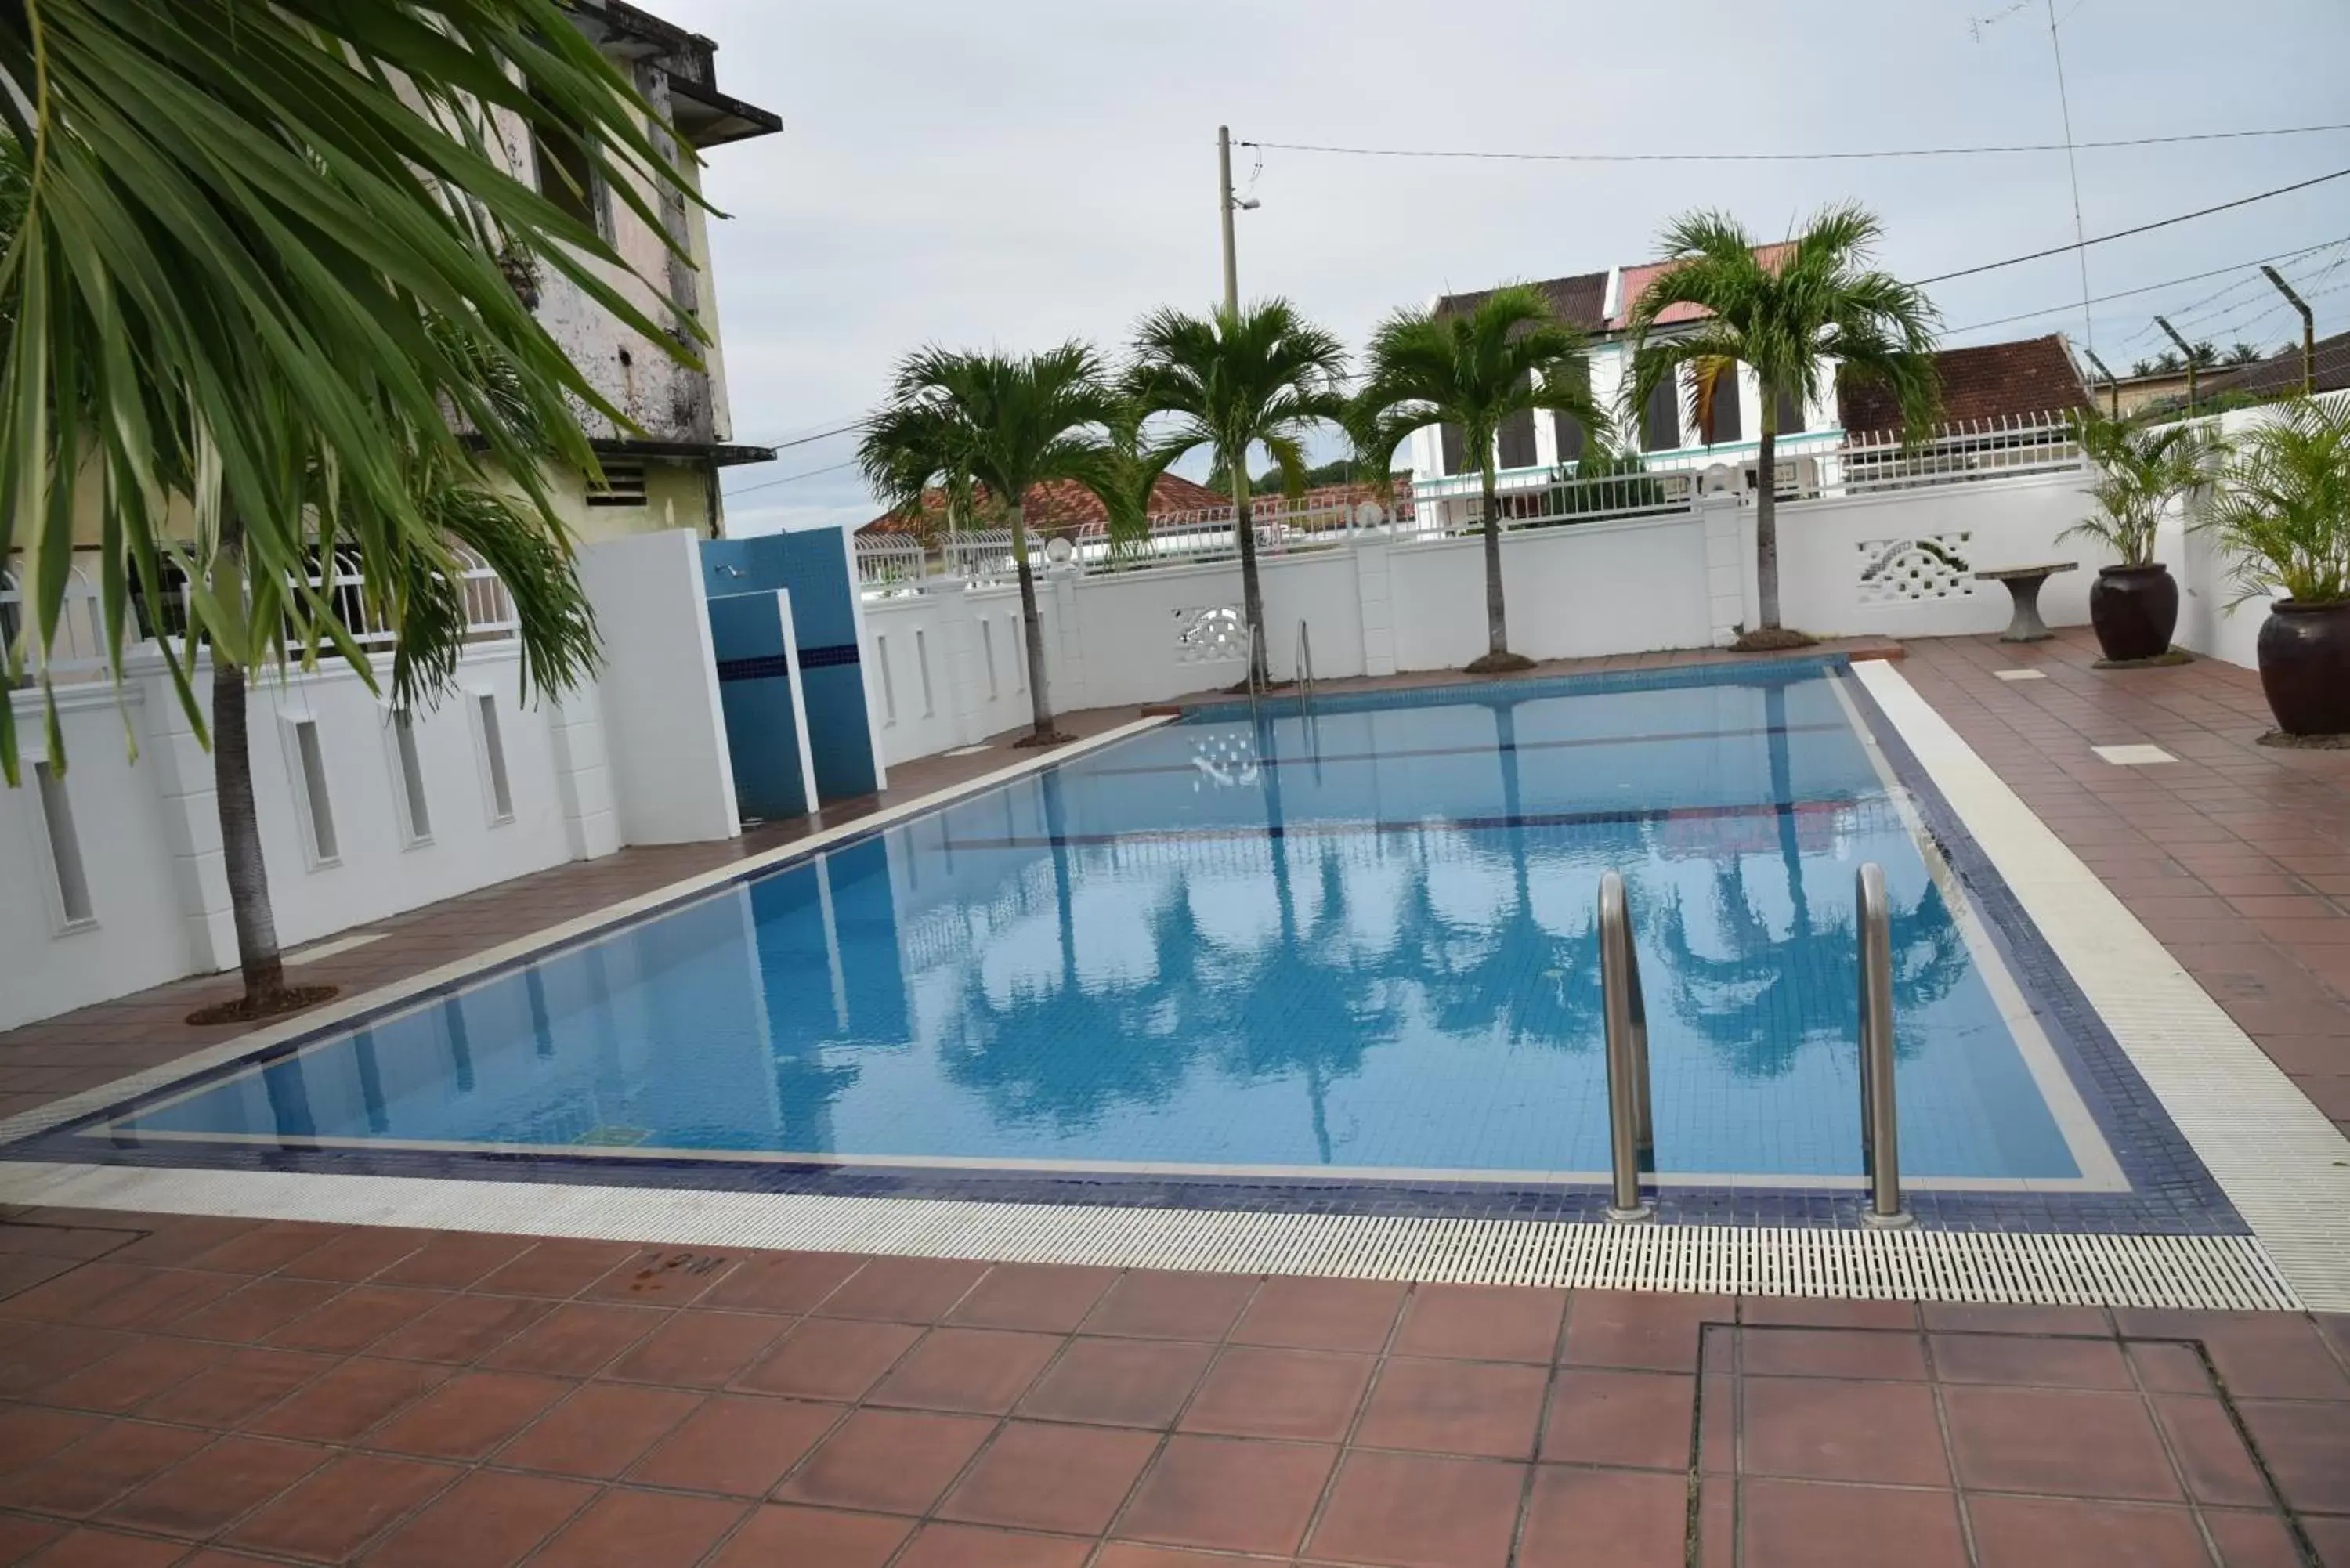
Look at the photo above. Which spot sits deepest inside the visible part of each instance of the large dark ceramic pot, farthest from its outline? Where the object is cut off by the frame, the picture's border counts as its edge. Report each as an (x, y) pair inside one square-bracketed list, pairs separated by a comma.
[(2305, 652), (2133, 610)]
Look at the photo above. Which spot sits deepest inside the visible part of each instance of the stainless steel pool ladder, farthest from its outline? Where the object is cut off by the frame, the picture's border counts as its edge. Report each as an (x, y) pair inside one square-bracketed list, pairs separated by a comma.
[(1256, 686), (1880, 1124), (1304, 672), (1631, 1122)]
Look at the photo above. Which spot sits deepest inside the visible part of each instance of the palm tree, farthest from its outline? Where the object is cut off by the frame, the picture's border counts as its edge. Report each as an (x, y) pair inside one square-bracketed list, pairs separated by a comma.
[(914, 449), (518, 537), (1475, 370), (1232, 381), (2242, 353), (1007, 423), (254, 275), (1817, 304), (2140, 470)]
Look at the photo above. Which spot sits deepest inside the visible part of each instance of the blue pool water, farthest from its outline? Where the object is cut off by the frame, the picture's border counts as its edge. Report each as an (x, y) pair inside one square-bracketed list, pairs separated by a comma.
[(1362, 942)]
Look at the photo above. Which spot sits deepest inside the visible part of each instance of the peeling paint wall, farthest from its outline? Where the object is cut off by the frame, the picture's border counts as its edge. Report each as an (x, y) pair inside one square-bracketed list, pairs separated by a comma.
[(668, 400)]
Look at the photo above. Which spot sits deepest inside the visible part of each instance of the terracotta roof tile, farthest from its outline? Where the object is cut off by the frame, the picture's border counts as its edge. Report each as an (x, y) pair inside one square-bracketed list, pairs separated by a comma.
[(1988, 381), (2282, 372), (1637, 280), (1580, 300), (1064, 506)]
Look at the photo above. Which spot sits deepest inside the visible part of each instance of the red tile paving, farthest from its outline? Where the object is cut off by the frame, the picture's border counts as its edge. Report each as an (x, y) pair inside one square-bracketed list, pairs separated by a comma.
[(1823, 1429), (204, 1391)]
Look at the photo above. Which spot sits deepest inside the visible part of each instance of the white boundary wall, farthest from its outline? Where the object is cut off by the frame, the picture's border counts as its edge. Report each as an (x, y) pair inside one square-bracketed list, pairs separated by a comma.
[(944, 667), (508, 788)]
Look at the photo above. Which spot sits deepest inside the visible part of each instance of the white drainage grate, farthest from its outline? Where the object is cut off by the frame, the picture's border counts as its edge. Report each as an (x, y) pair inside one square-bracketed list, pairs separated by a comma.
[(2133, 756), (2019, 674), (2188, 1271)]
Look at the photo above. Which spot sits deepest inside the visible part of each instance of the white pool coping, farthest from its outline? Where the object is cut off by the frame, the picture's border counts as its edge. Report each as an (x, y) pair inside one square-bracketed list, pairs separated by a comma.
[(2279, 1161)]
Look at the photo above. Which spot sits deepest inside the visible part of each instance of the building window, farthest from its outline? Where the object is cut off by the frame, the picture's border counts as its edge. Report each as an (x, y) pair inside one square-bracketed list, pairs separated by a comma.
[(1660, 421), (1791, 421), (1722, 425), (494, 783), (415, 811), (1019, 655), (1567, 430), (624, 486), (566, 173), (317, 807), (987, 652), (1516, 443), (922, 668), (68, 878), (1455, 445), (888, 687)]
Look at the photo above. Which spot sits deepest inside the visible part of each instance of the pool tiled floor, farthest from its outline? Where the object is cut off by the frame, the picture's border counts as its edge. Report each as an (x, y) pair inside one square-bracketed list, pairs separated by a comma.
[(213, 1392)]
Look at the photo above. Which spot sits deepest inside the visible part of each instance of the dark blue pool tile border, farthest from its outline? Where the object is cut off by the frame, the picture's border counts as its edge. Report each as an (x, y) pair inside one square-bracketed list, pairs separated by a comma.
[(2171, 1192)]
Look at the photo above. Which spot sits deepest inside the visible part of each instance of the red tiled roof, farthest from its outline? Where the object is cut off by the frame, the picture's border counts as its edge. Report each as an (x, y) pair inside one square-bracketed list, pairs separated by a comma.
[(1990, 380), (1637, 280), (2282, 372), (1064, 506), (1581, 301)]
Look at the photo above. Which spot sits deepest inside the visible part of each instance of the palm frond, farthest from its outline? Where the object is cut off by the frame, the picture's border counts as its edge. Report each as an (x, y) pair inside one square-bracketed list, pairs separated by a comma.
[(235, 216), (2283, 504)]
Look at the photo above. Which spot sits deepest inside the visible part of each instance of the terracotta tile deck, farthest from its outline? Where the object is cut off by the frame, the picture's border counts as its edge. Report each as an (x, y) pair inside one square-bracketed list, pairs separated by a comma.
[(1131, 1419), (213, 1392)]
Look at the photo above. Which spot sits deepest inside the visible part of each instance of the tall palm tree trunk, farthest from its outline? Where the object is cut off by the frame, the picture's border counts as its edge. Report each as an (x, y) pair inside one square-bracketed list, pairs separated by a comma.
[(1497, 630), (1252, 592), (263, 966), (1766, 514), (1032, 625)]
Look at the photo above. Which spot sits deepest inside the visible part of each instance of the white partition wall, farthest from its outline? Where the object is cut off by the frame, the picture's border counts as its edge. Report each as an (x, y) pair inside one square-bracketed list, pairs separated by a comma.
[(110, 870), (358, 821), (665, 733)]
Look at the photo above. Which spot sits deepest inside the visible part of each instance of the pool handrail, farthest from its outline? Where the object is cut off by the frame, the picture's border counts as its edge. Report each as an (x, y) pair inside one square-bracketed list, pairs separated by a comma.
[(1629, 1119), (1305, 671), (1880, 1123)]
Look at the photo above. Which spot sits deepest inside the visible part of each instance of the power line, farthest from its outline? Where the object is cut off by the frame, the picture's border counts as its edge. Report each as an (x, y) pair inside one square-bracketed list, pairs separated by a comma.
[(808, 440), (2151, 287), (1787, 157), (2141, 228), (790, 478)]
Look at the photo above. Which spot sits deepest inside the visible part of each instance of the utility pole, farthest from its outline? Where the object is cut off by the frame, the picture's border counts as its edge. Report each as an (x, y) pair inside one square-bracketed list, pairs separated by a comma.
[(2185, 353), (2113, 382), (2308, 332), (1224, 207)]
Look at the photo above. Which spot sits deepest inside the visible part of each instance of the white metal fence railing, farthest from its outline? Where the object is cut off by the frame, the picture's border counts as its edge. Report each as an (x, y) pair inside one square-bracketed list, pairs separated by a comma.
[(77, 651), (1957, 453)]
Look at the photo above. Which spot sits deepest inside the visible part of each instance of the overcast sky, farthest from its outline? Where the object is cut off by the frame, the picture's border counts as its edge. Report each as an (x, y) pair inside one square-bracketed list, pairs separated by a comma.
[(1016, 173)]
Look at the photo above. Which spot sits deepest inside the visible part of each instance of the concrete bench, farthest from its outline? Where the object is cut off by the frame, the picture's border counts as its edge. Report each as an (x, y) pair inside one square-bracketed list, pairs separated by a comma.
[(2023, 588)]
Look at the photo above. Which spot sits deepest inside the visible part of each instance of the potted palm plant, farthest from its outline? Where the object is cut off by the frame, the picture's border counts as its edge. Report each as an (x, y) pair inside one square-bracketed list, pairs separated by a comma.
[(2282, 510), (2134, 604)]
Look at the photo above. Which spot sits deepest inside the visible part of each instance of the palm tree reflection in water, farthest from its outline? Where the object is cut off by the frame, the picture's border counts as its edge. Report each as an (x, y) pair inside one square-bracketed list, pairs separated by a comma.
[(1747, 1006)]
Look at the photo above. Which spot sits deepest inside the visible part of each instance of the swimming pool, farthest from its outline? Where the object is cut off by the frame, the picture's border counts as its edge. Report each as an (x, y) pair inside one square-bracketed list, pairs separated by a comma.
[(1358, 944)]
